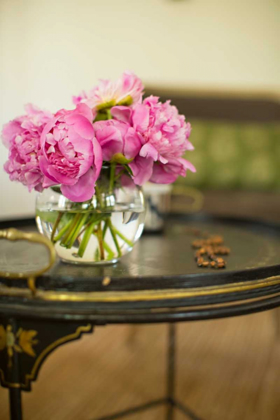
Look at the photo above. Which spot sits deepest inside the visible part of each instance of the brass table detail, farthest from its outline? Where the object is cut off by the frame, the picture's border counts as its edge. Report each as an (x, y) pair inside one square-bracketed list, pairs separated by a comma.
[(16, 235)]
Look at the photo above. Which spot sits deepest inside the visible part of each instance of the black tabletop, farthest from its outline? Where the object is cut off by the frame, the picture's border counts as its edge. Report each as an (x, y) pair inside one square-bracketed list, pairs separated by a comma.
[(158, 281)]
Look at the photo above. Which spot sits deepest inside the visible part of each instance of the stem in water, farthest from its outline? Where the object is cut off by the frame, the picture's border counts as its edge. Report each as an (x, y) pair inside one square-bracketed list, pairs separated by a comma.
[(115, 239), (100, 241), (55, 226)]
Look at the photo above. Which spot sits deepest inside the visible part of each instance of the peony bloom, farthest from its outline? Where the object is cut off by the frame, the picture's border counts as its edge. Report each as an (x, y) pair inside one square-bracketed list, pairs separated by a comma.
[(71, 155), (117, 140), (127, 90), (164, 135), (22, 137)]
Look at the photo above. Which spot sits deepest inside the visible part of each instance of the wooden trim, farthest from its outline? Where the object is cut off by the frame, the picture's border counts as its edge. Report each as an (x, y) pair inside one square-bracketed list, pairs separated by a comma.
[(218, 106), (248, 93)]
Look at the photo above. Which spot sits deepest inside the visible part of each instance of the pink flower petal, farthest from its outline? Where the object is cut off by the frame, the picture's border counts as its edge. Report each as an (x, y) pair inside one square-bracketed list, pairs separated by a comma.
[(97, 158), (140, 118), (160, 176), (168, 173), (132, 143), (83, 190), (47, 182), (81, 125), (149, 151), (121, 113), (110, 140), (142, 170), (10, 131), (86, 111)]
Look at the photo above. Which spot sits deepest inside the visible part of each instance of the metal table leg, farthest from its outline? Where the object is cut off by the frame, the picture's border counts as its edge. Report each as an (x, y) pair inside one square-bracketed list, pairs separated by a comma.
[(15, 404), (170, 400), (171, 370), (14, 392), (173, 403)]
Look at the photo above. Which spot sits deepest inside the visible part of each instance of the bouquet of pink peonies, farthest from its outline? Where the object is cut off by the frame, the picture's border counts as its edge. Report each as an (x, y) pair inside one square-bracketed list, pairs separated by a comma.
[(92, 160)]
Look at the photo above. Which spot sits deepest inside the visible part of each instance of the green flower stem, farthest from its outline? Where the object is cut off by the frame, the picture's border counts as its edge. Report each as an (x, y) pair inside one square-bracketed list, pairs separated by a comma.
[(115, 239), (62, 231), (55, 226), (112, 177), (100, 241), (109, 251), (118, 176), (97, 255), (86, 238), (98, 196), (94, 219), (130, 243), (105, 227), (80, 224), (72, 228)]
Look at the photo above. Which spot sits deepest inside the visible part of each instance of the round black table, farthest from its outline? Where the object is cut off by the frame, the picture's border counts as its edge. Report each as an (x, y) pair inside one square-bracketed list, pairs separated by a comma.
[(158, 282)]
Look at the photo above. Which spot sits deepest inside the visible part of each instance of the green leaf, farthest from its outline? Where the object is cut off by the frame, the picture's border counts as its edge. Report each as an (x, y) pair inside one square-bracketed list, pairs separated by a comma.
[(56, 189), (128, 170)]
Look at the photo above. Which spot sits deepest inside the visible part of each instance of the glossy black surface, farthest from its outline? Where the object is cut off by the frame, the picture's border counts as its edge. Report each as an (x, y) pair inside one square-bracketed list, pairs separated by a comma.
[(161, 262)]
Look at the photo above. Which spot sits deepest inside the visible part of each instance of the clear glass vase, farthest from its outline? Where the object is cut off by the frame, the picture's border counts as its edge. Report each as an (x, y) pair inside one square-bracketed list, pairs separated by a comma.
[(98, 231)]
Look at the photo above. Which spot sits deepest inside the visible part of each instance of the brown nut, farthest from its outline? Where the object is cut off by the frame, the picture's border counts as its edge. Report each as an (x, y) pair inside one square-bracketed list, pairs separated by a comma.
[(221, 265), (197, 244), (205, 264), (200, 261)]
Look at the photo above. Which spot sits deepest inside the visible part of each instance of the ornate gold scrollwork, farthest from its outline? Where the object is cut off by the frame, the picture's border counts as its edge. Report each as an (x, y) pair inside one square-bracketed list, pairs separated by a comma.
[(21, 341), (16, 235), (24, 341)]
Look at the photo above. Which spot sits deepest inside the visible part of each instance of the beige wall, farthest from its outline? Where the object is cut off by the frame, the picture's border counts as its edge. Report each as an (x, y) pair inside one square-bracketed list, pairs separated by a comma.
[(51, 49)]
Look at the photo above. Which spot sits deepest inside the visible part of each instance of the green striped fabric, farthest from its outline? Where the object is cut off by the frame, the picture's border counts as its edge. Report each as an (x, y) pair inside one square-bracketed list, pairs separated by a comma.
[(234, 156)]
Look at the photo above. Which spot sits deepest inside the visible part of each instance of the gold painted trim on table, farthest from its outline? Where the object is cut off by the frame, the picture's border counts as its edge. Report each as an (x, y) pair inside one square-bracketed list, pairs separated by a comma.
[(31, 376), (142, 295), (220, 305)]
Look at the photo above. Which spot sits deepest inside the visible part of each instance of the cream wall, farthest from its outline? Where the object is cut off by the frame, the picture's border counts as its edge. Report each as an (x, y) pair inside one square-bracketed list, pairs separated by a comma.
[(53, 49)]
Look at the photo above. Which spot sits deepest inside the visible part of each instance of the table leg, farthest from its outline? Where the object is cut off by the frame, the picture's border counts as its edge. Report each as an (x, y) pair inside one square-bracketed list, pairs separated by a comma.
[(14, 392), (171, 370), (24, 346), (15, 404), (171, 379)]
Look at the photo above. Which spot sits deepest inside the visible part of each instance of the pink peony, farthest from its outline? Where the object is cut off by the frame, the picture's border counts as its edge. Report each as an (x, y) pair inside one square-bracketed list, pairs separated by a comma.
[(71, 155), (22, 137), (117, 138), (127, 90), (164, 135)]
